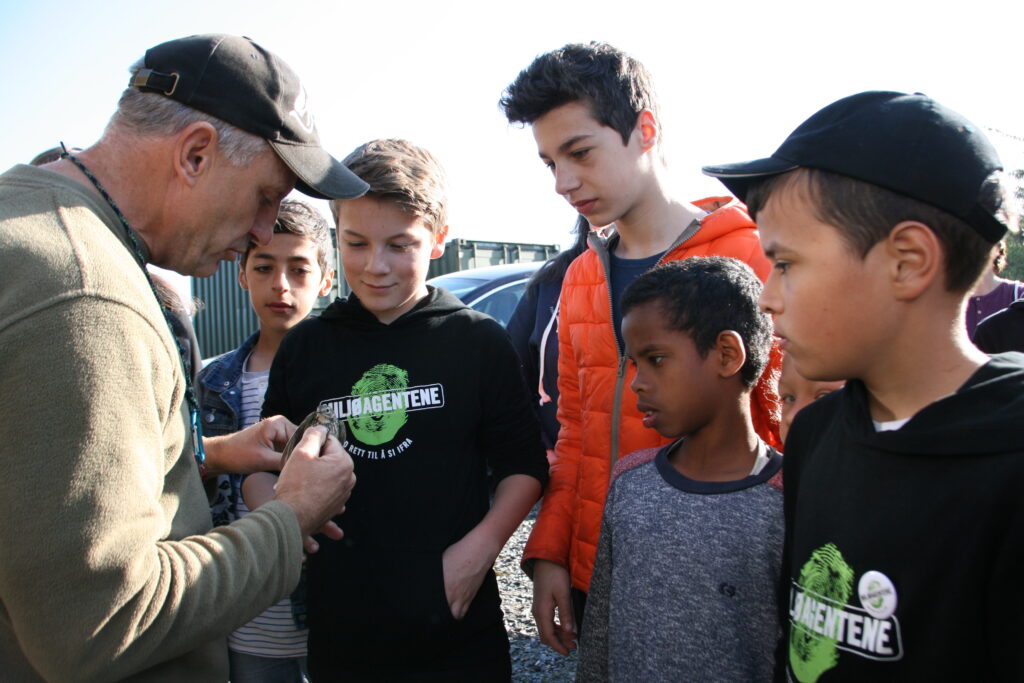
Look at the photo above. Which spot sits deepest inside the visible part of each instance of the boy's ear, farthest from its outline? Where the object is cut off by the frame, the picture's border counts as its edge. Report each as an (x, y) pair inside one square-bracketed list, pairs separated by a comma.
[(326, 282), (915, 259), (194, 147), (649, 129), (439, 237), (243, 282), (730, 353)]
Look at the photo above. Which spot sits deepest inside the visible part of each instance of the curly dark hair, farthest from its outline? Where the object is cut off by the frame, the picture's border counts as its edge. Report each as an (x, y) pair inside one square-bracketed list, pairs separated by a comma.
[(704, 296), (616, 86)]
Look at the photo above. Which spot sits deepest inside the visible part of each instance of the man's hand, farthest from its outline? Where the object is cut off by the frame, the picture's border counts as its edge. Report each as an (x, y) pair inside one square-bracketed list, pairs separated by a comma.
[(465, 564), (316, 481), (254, 449), (550, 591)]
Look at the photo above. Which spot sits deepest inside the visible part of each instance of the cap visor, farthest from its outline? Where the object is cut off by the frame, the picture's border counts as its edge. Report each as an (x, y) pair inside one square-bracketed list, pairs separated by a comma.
[(320, 175), (737, 176)]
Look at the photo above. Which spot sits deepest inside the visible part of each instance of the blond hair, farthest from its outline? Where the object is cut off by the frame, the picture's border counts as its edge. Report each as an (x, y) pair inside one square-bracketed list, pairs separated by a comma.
[(408, 176)]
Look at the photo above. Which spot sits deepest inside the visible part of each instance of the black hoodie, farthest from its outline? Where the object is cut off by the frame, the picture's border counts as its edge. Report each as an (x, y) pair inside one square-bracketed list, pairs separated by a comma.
[(429, 401), (904, 553)]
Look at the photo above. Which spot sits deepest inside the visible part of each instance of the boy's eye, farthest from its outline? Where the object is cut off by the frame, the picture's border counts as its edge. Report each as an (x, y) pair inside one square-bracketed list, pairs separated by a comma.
[(401, 246), (550, 165), (781, 266), (579, 154), (353, 245), (262, 269), (788, 398), (656, 360)]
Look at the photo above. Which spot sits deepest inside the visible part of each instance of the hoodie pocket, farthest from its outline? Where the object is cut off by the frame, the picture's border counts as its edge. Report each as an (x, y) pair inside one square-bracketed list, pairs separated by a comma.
[(371, 601)]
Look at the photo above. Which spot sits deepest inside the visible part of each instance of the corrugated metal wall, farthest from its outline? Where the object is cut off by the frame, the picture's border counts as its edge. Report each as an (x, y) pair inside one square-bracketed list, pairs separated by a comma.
[(227, 318)]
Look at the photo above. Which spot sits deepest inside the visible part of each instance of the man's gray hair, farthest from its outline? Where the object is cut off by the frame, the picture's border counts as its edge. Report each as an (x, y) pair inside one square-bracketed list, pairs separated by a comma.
[(149, 113)]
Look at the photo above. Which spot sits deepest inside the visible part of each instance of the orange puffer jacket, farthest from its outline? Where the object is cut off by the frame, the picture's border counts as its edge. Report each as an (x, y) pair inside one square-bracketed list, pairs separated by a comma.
[(597, 409)]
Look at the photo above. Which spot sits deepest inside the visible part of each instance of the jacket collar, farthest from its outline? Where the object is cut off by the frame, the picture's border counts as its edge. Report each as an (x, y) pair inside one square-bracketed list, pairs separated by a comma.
[(226, 369)]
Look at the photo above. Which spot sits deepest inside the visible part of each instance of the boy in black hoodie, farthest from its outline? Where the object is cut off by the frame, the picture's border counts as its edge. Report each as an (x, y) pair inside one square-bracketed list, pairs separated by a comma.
[(431, 394), (905, 520)]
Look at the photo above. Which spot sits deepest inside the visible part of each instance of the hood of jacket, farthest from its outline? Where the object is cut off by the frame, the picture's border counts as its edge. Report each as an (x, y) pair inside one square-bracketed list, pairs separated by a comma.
[(351, 312), (971, 421)]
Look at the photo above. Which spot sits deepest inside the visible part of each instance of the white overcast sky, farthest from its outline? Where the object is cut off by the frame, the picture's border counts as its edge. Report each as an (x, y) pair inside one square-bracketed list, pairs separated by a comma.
[(733, 77)]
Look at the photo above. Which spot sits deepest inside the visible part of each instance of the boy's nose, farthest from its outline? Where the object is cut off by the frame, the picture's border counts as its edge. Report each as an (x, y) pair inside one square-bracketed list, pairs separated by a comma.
[(566, 180), (768, 301), (378, 262), (636, 386)]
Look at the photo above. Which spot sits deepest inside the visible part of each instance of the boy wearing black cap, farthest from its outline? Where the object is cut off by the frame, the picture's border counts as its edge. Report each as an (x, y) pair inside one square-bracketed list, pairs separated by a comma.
[(879, 214)]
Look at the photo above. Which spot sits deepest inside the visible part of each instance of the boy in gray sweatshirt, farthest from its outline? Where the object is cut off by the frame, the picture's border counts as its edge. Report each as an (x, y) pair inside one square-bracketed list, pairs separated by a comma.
[(685, 580)]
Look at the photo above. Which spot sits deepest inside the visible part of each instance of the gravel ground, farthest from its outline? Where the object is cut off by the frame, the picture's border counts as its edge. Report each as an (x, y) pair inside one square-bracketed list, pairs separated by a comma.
[(531, 661)]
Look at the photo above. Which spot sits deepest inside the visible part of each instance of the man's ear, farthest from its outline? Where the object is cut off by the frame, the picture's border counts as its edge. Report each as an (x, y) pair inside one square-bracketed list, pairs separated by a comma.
[(730, 353), (648, 129), (439, 238), (326, 282), (194, 149), (915, 259)]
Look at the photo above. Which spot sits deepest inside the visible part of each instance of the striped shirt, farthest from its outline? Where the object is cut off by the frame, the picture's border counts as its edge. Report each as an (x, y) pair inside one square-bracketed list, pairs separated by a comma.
[(273, 633)]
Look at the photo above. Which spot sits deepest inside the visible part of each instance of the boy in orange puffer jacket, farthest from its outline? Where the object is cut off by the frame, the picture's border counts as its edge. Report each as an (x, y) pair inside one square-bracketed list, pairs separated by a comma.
[(596, 123)]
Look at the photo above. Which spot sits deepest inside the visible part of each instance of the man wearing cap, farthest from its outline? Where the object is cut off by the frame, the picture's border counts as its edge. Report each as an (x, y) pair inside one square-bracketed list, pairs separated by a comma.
[(109, 569)]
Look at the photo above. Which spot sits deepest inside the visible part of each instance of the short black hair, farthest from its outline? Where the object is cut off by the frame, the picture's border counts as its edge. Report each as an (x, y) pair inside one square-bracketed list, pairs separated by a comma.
[(616, 86), (704, 296), (865, 214)]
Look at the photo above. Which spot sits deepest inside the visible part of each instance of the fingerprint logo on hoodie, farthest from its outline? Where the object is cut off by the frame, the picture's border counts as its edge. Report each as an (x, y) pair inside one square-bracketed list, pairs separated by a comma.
[(380, 424), (823, 622), (829, 579), (379, 407)]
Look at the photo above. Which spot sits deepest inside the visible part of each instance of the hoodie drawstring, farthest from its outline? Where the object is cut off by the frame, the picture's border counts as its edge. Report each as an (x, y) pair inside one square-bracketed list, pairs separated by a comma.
[(544, 398)]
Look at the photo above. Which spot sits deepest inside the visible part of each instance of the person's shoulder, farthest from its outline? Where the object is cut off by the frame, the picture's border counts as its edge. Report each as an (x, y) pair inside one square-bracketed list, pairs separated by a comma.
[(634, 460), (230, 362), (1003, 330), (815, 418), (584, 270), (311, 326), (469, 320), (724, 215), (21, 177)]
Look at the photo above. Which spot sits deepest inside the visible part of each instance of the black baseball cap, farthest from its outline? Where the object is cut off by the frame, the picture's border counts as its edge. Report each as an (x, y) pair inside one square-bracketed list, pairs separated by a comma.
[(909, 144), (235, 80)]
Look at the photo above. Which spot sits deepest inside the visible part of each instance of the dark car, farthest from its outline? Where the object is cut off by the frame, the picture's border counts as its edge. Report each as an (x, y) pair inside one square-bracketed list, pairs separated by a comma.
[(494, 290)]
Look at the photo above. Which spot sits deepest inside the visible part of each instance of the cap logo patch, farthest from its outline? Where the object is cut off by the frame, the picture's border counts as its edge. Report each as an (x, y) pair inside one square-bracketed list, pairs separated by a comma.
[(301, 113)]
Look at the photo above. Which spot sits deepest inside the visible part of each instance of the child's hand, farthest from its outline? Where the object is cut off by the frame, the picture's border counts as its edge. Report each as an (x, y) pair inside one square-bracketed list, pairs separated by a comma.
[(253, 449), (551, 590), (465, 564)]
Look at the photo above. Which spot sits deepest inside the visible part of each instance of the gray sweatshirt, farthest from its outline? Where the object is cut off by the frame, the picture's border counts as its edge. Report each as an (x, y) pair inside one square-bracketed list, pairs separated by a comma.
[(686, 575)]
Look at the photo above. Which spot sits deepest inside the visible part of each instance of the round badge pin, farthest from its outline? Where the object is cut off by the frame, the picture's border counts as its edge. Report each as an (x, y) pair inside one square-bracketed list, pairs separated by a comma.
[(877, 594)]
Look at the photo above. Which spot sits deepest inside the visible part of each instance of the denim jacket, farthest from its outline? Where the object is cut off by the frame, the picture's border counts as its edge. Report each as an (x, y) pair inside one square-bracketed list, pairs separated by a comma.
[(220, 407)]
